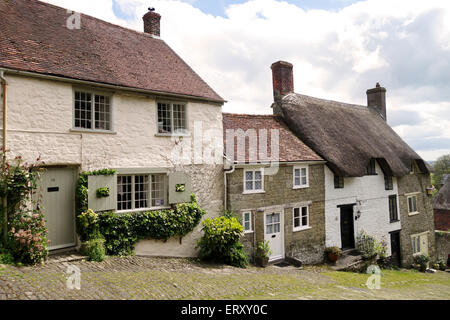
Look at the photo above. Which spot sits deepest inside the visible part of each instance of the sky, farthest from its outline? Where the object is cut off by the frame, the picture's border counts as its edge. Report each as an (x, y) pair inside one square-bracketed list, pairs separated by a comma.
[(339, 49)]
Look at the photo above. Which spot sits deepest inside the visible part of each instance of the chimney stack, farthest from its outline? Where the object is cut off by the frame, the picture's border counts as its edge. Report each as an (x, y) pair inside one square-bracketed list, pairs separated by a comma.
[(376, 98), (152, 22), (283, 79)]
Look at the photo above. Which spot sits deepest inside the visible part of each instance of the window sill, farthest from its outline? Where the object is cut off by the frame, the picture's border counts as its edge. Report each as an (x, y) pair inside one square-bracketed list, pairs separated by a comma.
[(394, 221), (92, 131), (253, 192), (172, 135), (248, 232), (301, 229), (300, 187), (142, 210), (413, 213)]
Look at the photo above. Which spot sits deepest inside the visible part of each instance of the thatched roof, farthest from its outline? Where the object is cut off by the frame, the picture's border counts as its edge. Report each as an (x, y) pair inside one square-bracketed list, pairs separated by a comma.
[(442, 199), (348, 136)]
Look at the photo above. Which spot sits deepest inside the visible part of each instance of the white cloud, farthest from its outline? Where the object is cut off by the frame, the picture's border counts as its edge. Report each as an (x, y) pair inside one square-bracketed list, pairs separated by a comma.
[(336, 54)]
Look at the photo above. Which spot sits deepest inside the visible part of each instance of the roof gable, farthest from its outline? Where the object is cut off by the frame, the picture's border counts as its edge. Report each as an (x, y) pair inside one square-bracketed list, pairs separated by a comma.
[(347, 135), (35, 38)]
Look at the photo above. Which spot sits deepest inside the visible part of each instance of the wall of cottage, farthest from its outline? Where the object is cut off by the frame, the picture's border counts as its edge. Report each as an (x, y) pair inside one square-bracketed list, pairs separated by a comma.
[(370, 192), (40, 121), (419, 223), (307, 245)]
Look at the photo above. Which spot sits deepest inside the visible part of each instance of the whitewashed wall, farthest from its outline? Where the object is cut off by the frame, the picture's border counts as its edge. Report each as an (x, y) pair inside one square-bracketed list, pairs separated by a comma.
[(370, 190), (40, 117)]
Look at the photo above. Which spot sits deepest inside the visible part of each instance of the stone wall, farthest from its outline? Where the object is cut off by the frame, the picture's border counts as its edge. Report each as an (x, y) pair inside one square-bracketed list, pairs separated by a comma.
[(442, 219), (419, 223), (40, 123), (442, 245), (306, 245)]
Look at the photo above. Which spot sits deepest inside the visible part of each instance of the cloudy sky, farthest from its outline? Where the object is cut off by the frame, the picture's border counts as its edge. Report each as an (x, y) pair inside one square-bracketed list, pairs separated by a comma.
[(339, 48)]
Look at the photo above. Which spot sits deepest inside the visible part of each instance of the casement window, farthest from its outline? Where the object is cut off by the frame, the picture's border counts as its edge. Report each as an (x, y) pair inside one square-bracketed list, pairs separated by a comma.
[(253, 181), (172, 118), (301, 218), (370, 169), (412, 205), (141, 191), (388, 182), (393, 211), (419, 243), (338, 182), (92, 111), (300, 177), (247, 222)]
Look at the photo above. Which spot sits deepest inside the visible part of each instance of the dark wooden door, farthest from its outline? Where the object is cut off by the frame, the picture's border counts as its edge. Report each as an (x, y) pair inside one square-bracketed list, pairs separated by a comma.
[(347, 227), (395, 247)]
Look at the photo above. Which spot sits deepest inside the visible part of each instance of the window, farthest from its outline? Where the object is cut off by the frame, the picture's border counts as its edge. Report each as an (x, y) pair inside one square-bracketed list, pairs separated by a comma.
[(171, 118), (141, 191), (370, 170), (415, 244), (338, 182), (419, 243), (388, 182), (393, 212), (301, 218), (301, 177), (412, 205), (412, 168), (247, 222), (92, 111), (253, 181)]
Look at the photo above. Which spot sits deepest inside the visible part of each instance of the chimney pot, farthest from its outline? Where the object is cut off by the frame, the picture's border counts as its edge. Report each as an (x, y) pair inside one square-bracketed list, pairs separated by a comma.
[(376, 98), (152, 23), (283, 79)]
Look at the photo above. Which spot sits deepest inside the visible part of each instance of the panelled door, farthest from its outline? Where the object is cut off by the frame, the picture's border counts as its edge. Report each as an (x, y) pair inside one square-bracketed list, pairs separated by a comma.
[(347, 227), (274, 233), (57, 187), (395, 247)]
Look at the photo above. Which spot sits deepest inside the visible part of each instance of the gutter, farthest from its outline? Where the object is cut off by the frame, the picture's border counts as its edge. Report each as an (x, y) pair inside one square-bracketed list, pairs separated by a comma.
[(4, 200), (110, 86)]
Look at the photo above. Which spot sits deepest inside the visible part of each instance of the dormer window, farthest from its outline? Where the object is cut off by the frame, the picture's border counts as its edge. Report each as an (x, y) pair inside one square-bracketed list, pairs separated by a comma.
[(338, 182), (370, 170), (388, 182)]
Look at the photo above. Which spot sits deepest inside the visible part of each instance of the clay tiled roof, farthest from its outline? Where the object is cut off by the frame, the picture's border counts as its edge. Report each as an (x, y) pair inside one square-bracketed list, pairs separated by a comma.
[(34, 37), (290, 149)]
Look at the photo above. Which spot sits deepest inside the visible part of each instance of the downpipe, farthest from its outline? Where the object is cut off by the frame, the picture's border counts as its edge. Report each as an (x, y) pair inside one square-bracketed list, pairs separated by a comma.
[(4, 200)]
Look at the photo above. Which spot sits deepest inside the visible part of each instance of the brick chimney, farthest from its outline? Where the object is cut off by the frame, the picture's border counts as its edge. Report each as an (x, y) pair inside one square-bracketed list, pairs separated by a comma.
[(152, 23), (283, 79), (376, 98)]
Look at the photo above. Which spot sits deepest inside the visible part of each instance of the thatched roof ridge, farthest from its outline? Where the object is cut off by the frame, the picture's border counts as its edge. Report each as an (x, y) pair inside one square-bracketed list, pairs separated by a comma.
[(348, 135)]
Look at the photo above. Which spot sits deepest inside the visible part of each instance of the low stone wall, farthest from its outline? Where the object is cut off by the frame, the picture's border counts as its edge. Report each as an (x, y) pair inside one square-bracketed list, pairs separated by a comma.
[(442, 244)]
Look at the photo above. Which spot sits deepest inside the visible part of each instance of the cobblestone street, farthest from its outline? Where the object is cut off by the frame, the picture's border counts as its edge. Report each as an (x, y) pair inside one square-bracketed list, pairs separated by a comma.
[(159, 278)]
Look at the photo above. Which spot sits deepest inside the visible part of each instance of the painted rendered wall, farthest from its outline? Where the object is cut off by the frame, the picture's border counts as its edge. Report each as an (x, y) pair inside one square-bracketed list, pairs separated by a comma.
[(370, 190), (40, 122)]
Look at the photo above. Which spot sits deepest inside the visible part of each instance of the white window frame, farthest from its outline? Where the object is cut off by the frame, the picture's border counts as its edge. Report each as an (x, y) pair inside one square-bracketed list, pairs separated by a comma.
[(412, 213), (301, 227), (300, 186), (245, 184), (250, 221), (172, 133), (414, 239), (93, 93), (149, 193)]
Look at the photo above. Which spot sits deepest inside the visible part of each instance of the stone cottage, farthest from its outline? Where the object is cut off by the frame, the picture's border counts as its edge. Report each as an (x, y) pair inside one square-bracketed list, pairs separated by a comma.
[(85, 94), (374, 182), (275, 183)]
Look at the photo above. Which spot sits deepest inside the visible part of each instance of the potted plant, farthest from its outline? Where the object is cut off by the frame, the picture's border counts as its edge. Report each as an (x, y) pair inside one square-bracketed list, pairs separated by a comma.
[(333, 253), (263, 253)]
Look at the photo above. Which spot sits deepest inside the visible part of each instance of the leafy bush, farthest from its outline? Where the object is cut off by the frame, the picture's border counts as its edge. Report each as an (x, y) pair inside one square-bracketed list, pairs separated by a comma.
[(263, 250), (118, 232), (421, 262), (94, 249), (366, 245), (220, 242), (333, 250), (87, 225), (102, 192)]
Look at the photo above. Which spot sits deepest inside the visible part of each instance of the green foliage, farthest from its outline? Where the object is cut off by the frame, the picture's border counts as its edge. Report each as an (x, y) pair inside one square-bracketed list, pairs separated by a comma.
[(441, 264), (263, 250), (180, 188), (94, 249), (87, 225), (441, 167), (122, 231), (421, 262), (220, 242), (369, 247), (102, 192)]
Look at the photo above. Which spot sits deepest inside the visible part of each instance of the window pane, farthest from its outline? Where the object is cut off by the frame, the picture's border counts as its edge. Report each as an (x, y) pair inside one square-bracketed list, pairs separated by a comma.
[(258, 175), (304, 182), (269, 229), (296, 222), (141, 192), (276, 218), (102, 113), (247, 226), (158, 190), (276, 228), (269, 219), (297, 181), (164, 118), (304, 221), (297, 172), (258, 185), (303, 172), (179, 118), (249, 175), (83, 110), (249, 185), (296, 212), (124, 192)]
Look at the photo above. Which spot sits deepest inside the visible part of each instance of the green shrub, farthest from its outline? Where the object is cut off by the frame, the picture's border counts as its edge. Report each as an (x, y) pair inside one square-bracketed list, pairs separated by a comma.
[(421, 262), (102, 192), (220, 242), (94, 249), (87, 225), (366, 245), (118, 232), (6, 257), (263, 250)]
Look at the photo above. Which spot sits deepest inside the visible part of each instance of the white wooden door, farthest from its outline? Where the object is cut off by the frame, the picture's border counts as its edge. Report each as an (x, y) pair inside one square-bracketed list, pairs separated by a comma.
[(57, 187), (274, 233)]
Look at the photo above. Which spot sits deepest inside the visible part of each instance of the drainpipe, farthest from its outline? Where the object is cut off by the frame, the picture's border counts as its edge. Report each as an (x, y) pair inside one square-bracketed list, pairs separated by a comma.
[(233, 167), (4, 200)]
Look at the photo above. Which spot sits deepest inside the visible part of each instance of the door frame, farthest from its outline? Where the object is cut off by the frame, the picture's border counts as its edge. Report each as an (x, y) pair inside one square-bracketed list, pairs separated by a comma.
[(399, 245), (283, 248), (340, 207), (76, 171)]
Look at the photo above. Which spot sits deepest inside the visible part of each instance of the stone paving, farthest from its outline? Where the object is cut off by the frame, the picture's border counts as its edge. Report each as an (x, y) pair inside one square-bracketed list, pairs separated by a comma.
[(168, 278)]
